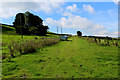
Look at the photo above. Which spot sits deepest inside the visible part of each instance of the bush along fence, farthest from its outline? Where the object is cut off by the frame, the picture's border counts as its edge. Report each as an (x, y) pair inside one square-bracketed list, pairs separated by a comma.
[(29, 46), (103, 41)]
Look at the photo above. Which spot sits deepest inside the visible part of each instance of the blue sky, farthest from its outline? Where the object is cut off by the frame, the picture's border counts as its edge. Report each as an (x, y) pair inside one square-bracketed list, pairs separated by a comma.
[(92, 18)]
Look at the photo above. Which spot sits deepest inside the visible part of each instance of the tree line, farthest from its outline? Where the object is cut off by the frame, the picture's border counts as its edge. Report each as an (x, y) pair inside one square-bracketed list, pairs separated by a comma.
[(28, 23)]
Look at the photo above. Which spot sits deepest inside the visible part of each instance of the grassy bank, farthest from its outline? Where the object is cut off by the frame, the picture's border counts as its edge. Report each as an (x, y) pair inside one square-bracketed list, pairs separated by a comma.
[(14, 45)]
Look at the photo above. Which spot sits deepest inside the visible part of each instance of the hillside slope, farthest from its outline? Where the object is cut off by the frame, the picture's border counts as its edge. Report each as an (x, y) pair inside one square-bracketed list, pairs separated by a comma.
[(7, 29)]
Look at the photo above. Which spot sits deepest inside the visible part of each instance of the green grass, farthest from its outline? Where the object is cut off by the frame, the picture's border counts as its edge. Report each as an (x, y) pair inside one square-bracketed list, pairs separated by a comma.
[(75, 58), (6, 40), (103, 42), (9, 35), (7, 29)]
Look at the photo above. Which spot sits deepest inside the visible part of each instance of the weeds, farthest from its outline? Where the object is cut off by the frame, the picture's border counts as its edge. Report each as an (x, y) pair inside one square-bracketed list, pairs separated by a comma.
[(4, 56), (29, 46), (103, 42)]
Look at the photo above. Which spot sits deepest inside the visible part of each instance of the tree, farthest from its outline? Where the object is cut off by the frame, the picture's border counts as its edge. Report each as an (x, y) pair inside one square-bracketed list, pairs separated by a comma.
[(19, 22), (31, 24), (79, 33)]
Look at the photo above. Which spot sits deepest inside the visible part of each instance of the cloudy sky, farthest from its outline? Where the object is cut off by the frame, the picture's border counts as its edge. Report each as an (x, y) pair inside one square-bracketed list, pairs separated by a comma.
[(91, 18)]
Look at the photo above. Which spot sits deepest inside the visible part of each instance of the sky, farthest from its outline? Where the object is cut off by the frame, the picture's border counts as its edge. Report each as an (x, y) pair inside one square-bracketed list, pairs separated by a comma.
[(91, 18)]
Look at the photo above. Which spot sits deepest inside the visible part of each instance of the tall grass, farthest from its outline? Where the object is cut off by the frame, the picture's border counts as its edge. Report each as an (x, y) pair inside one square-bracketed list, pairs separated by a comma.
[(29, 46), (103, 42)]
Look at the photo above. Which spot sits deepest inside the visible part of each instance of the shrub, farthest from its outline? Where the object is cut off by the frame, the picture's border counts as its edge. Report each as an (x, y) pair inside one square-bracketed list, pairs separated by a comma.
[(4, 56), (29, 46)]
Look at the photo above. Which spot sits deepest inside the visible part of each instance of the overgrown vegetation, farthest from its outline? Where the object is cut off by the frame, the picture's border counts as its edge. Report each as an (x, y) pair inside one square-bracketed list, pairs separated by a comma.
[(28, 46), (103, 41)]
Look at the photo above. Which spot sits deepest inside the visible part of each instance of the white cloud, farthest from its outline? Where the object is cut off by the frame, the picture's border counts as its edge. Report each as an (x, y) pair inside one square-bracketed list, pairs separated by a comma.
[(88, 8), (9, 9), (96, 28), (75, 22), (32, 1), (80, 23), (108, 33), (72, 21), (103, 32), (116, 33), (58, 0), (72, 8), (116, 1)]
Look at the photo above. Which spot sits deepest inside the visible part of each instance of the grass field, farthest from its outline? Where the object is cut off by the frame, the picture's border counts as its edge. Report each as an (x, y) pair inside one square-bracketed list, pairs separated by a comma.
[(75, 58), (9, 35)]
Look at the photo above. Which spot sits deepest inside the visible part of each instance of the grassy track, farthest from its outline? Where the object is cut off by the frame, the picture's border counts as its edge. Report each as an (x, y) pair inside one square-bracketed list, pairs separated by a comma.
[(75, 58)]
